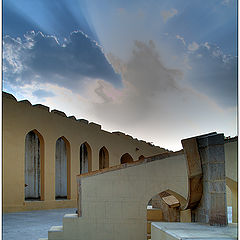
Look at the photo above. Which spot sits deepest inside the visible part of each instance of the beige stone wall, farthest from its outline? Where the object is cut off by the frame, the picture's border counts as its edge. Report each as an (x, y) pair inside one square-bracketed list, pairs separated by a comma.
[(231, 158), (21, 117), (114, 203), (231, 168)]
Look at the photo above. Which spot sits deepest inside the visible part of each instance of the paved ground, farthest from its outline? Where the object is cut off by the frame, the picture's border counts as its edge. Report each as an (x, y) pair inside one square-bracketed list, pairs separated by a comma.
[(193, 231), (32, 225)]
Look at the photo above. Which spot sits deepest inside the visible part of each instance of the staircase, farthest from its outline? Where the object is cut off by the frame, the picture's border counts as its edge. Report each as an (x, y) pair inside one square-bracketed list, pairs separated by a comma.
[(57, 232)]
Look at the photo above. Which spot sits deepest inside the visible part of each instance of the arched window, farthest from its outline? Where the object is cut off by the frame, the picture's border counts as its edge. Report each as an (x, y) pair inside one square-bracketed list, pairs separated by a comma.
[(141, 157), (126, 158), (62, 169), (34, 153), (103, 158), (85, 158)]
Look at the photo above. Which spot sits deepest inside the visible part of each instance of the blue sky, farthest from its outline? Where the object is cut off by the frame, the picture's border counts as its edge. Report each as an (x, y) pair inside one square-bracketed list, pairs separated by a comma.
[(158, 70)]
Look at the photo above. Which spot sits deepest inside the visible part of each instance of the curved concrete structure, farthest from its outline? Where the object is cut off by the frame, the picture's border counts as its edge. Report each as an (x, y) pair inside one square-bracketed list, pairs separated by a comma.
[(113, 202)]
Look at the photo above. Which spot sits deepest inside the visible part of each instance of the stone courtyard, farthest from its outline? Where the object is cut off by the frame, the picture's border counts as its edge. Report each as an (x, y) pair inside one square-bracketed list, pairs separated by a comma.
[(31, 225)]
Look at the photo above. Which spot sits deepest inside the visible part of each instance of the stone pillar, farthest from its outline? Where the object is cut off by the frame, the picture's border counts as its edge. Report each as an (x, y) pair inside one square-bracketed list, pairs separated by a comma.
[(213, 205)]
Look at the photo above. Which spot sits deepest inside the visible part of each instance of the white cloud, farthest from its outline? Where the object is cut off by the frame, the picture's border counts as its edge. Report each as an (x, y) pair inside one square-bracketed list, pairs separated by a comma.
[(181, 39), (206, 44), (166, 15), (193, 46)]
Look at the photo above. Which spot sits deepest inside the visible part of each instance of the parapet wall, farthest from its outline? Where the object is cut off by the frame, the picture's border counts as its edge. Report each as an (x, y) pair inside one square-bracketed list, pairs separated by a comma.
[(21, 117)]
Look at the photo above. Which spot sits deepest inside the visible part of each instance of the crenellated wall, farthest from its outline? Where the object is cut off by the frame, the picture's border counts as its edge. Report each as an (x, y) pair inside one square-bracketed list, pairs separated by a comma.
[(21, 117)]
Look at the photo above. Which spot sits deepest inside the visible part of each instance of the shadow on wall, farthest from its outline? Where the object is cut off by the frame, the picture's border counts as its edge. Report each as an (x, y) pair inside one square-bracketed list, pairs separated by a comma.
[(103, 158), (34, 174), (126, 158), (85, 158), (62, 169)]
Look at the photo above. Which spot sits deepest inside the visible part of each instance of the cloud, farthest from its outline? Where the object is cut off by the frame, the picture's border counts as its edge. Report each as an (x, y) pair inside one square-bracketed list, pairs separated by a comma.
[(181, 39), (193, 46), (206, 67), (154, 102), (42, 58), (144, 77), (166, 15), (41, 93), (214, 74)]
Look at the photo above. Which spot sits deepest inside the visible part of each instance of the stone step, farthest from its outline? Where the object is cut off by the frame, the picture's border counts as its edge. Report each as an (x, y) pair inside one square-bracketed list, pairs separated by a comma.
[(69, 219), (55, 233)]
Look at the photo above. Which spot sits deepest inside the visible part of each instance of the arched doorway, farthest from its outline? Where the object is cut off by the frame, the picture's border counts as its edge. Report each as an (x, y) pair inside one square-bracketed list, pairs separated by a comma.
[(141, 158), (62, 169), (126, 158), (85, 158), (164, 207), (34, 153), (103, 158)]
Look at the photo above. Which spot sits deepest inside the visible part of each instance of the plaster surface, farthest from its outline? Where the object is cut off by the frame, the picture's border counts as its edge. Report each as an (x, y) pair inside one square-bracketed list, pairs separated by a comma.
[(31, 225)]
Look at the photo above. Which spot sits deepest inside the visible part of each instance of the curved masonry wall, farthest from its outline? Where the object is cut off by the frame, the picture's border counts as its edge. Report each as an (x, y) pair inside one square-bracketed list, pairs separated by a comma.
[(21, 117)]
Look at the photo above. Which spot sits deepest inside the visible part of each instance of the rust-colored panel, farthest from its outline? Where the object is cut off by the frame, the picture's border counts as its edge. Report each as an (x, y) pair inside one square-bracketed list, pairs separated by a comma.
[(190, 148), (194, 168)]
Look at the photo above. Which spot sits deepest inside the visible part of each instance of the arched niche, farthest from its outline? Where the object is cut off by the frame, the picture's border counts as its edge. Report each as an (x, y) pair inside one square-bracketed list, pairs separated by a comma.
[(34, 166), (164, 207), (126, 158), (85, 158), (103, 158), (62, 169), (232, 190), (141, 157)]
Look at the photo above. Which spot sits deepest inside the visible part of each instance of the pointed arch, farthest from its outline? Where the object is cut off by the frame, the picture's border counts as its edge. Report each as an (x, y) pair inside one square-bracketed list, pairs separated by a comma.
[(103, 158), (126, 158), (34, 166), (62, 169), (85, 158)]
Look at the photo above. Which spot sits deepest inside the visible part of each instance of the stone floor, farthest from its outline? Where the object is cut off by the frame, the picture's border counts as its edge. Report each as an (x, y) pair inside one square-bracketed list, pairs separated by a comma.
[(31, 225), (193, 231)]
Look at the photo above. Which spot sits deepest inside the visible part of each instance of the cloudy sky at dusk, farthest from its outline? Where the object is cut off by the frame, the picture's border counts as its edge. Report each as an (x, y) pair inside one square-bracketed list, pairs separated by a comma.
[(160, 71)]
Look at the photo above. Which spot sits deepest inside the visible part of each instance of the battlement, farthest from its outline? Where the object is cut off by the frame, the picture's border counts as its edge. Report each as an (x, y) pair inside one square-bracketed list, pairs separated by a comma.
[(83, 122)]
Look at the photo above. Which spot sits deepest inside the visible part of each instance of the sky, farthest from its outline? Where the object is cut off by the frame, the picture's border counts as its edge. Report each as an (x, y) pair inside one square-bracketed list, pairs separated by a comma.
[(160, 71)]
